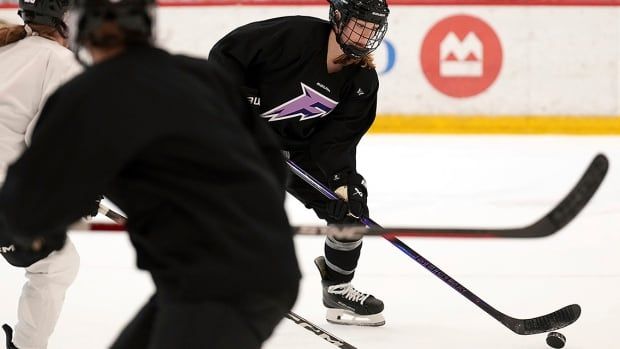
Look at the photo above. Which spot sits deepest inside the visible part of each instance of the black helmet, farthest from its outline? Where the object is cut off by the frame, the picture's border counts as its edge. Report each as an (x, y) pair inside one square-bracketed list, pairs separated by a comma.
[(351, 12), (46, 12), (135, 18)]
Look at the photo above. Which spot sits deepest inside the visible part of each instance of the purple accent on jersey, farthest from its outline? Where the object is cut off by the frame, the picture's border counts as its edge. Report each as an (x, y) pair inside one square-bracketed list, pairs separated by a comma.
[(311, 104)]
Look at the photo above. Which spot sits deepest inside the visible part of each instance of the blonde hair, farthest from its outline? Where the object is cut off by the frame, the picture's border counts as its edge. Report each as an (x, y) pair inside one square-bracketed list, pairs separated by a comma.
[(13, 33), (367, 61)]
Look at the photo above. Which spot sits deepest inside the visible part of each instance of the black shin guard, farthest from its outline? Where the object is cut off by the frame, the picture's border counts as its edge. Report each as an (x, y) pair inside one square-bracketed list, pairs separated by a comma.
[(341, 259)]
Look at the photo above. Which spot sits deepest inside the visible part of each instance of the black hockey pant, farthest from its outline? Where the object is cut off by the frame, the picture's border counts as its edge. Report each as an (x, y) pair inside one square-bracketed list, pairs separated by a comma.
[(210, 324)]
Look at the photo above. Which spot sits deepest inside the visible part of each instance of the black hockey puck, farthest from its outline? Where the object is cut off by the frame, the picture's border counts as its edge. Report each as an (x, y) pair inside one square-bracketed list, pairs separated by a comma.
[(556, 340)]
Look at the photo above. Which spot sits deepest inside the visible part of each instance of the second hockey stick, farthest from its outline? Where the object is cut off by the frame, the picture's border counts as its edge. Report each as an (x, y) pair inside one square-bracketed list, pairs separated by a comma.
[(564, 212), (541, 324), (558, 217)]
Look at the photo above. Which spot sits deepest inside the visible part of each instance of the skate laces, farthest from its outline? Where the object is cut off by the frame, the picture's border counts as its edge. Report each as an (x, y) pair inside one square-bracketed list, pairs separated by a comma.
[(348, 292)]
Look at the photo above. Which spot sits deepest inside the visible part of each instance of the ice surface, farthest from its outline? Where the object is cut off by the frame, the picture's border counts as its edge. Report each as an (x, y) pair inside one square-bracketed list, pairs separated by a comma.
[(416, 180)]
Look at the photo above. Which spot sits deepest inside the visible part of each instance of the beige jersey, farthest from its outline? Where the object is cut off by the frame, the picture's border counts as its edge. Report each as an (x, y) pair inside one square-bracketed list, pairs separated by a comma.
[(31, 70)]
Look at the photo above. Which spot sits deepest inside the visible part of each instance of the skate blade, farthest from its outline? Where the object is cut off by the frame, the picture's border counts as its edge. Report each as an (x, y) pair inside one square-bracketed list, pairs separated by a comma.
[(346, 317)]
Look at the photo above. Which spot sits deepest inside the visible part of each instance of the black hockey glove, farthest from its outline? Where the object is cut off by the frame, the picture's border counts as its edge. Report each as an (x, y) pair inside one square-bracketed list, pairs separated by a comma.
[(337, 210), (357, 196), (355, 199), (92, 210), (24, 250)]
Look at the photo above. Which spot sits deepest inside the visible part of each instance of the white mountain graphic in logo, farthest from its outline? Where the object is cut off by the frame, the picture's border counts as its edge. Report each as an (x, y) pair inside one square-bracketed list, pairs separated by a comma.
[(461, 58)]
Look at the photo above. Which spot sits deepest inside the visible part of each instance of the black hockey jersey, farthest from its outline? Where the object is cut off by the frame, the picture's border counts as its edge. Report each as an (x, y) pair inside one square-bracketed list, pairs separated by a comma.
[(168, 140), (283, 64)]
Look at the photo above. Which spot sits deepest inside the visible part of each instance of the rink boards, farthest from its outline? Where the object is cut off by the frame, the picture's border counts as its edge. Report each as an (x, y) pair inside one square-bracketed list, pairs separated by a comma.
[(459, 66)]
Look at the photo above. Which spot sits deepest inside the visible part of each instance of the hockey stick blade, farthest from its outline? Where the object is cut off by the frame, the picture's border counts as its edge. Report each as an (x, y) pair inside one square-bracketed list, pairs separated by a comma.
[(571, 205), (562, 214), (546, 323)]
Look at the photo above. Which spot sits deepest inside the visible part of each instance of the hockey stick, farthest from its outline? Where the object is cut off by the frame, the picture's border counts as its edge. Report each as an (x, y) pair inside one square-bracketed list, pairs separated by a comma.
[(552, 222), (115, 216), (121, 220), (318, 331), (546, 323), (549, 224)]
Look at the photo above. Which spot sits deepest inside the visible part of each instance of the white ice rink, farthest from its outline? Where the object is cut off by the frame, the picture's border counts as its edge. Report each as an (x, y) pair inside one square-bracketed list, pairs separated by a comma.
[(441, 181)]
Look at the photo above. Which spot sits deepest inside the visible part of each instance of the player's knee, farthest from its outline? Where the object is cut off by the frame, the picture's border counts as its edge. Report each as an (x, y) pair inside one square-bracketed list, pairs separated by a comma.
[(68, 264), (59, 268)]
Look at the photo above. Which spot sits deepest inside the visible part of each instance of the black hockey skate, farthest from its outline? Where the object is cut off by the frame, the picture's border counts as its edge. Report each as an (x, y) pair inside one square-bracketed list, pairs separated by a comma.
[(8, 332), (346, 305)]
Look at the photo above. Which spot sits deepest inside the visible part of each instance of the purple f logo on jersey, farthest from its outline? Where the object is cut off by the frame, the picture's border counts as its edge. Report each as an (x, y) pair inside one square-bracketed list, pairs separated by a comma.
[(311, 104)]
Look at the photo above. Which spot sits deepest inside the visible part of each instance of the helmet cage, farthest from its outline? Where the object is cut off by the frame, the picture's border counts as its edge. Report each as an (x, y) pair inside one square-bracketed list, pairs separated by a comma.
[(355, 15)]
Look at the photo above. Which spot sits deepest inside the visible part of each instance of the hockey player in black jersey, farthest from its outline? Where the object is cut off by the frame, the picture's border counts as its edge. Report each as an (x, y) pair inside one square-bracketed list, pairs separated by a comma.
[(314, 83), (169, 141)]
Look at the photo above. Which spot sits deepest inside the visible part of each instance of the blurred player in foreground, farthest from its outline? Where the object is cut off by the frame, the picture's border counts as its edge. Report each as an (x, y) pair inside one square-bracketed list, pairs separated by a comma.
[(168, 140)]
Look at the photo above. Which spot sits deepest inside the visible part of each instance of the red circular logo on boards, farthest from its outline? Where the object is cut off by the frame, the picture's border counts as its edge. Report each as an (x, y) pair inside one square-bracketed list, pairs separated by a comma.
[(461, 56)]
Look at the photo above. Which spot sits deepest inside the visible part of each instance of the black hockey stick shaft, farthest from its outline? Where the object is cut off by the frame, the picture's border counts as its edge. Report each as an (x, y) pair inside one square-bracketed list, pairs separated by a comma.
[(300, 321), (553, 321), (567, 209), (553, 221)]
